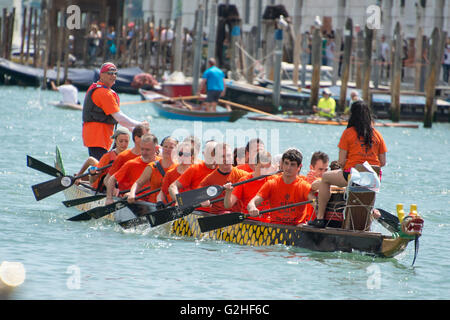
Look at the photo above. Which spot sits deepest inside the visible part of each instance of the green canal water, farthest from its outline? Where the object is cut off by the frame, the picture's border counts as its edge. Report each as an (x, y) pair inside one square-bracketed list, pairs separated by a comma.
[(98, 260)]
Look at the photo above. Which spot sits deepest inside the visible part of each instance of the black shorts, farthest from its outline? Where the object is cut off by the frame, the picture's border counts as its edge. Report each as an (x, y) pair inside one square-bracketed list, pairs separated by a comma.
[(346, 174), (213, 96), (96, 152)]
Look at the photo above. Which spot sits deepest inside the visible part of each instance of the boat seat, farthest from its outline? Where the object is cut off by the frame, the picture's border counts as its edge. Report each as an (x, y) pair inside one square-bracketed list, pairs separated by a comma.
[(359, 205)]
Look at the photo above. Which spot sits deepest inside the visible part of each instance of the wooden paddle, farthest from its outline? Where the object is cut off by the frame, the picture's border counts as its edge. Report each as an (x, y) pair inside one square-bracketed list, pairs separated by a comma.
[(102, 211), (76, 202), (48, 188), (237, 105), (224, 220), (195, 197), (43, 167), (156, 218), (389, 221), (161, 100)]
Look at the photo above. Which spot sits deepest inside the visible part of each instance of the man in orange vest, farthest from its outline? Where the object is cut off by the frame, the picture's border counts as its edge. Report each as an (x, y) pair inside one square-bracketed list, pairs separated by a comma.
[(101, 112)]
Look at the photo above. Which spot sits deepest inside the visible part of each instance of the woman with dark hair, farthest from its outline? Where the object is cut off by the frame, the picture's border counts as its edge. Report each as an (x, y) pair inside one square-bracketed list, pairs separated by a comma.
[(360, 142)]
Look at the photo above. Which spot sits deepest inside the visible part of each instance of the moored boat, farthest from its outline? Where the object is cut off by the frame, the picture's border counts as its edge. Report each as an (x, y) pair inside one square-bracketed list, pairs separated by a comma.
[(182, 110), (332, 122)]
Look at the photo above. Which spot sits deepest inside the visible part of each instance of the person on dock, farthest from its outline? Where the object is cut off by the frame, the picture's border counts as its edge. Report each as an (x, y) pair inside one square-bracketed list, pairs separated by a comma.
[(214, 80), (326, 105), (128, 154), (354, 96), (287, 188), (252, 147), (132, 169), (224, 173), (155, 171), (446, 63), (244, 193), (360, 142), (192, 177), (101, 112), (68, 91)]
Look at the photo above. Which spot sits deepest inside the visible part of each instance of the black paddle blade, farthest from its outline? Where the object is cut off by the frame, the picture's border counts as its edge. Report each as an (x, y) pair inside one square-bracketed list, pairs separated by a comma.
[(220, 221), (48, 188), (141, 208), (76, 202), (99, 212), (43, 167), (193, 198), (389, 221)]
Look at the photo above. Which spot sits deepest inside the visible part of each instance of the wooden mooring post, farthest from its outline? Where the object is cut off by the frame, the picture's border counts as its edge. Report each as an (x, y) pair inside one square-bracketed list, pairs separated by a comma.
[(316, 57), (396, 74), (345, 71)]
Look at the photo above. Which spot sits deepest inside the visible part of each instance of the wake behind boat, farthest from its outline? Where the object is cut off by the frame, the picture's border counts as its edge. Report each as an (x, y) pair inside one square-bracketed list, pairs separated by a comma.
[(183, 110), (65, 105)]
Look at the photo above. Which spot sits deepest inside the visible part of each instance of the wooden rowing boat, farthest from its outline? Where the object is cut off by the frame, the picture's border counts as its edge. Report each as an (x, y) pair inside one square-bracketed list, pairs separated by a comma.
[(182, 110), (64, 105), (334, 122)]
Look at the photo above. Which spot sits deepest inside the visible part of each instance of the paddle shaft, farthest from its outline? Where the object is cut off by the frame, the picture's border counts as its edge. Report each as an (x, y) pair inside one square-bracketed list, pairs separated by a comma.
[(88, 173), (237, 105), (161, 100)]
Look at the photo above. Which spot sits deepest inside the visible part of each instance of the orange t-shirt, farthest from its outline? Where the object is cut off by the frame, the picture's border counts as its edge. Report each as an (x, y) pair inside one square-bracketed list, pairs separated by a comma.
[(104, 160), (130, 172), (156, 180), (278, 193), (245, 167), (171, 176), (98, 134), (218, 178), (192, 177), (357, 153), (246, 192), (122, 157)]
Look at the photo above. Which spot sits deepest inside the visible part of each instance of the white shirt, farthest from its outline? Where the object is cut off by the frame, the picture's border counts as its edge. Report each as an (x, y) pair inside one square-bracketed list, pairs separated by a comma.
[(447, 55), (69, 93)]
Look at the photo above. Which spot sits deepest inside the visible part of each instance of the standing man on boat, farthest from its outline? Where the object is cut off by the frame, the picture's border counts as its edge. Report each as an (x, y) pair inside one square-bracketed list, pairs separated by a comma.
[(326, 105), (214, 80), (101, 112)]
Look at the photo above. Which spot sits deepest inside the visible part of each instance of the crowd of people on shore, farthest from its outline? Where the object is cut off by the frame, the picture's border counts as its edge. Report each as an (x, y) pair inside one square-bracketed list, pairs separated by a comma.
[(174, 166)]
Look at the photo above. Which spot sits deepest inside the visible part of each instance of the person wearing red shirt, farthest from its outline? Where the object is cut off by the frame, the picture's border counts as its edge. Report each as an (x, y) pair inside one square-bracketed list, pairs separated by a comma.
[(155, 171), (132, 169), (360, 142), (246, 192), (224, 173), (192, 177), (287, 188), (317, 167), (184, 158)]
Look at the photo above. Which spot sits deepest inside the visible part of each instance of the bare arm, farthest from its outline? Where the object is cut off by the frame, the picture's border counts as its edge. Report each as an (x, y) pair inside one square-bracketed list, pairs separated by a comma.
[(382, 158), (342, 158), (110, 188), (230, 199), (174, 189), (253, 204)]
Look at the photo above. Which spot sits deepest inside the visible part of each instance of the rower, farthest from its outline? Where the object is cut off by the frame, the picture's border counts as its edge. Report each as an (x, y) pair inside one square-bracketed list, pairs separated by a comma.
[(224, 173), (192, 177), (185, 156), (253, 146), (317, 167), (127, 175), (284, 189), (154, 172), (128, 154), (262, 165)]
